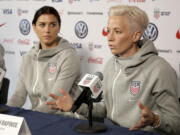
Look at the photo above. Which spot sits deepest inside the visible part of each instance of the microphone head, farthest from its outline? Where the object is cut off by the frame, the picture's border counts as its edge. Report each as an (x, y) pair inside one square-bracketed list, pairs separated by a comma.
[(100, 75)]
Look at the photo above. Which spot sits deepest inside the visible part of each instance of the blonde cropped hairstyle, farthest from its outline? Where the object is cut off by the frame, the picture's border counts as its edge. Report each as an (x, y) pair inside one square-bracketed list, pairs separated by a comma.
[(138, 19)]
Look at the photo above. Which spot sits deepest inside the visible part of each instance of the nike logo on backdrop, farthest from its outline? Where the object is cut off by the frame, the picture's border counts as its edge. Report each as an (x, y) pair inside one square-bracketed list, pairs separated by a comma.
[(178, 34), (104, 32), (2, 24)]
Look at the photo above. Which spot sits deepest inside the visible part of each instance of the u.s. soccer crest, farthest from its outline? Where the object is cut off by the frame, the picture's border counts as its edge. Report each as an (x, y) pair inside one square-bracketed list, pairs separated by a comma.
[(156, 13), (135, 87), (87, 80), (97, 87), (52, 67)]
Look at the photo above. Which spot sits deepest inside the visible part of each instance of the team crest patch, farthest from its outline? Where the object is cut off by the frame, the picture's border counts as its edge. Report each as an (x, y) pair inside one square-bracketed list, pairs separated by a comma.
[(135, 87), (52, 67), (87, 80)]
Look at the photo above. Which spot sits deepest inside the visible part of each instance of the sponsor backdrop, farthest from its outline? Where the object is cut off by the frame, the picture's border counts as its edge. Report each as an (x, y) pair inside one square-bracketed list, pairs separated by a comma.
[(83, 24)]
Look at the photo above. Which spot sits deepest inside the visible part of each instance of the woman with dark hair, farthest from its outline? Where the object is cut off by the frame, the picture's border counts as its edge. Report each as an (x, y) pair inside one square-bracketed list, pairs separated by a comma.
[(51, 64)]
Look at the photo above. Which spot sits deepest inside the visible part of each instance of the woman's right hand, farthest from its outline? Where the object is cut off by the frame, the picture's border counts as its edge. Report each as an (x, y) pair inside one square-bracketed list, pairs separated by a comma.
[(64, 102)]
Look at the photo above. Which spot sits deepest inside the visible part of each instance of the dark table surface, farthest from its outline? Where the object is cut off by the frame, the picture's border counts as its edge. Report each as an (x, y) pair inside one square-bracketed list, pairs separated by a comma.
[(49, 124)]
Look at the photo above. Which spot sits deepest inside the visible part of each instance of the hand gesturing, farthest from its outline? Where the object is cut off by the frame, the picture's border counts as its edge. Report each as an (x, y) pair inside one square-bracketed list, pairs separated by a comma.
[(147, 118), (64, 102)]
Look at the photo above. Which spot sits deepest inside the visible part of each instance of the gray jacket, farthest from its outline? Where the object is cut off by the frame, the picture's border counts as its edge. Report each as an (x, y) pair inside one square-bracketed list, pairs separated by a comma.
[(46, 71), (144, 77)]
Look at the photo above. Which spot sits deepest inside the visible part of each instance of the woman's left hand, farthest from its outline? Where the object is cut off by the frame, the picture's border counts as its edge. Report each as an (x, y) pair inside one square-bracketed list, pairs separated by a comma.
[(147, 118)]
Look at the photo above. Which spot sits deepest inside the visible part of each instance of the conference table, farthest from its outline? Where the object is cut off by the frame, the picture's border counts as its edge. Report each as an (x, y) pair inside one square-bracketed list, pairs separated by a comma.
[(50, 124)]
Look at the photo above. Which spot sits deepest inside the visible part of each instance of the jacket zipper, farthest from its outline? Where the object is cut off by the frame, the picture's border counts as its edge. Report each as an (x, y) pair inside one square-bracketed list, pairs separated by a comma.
[(37, 73), (113, 91)]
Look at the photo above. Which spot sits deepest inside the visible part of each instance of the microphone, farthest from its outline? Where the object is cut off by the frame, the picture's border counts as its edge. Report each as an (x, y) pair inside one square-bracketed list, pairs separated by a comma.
[(92, 91), (91, 85)]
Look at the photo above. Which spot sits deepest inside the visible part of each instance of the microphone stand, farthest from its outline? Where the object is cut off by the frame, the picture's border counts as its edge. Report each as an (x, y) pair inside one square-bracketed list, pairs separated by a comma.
[(90, 107), (90, 127)]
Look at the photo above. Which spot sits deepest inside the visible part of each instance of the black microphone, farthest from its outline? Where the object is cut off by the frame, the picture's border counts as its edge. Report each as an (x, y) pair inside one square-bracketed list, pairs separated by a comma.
[(92, 91), (91, 85)]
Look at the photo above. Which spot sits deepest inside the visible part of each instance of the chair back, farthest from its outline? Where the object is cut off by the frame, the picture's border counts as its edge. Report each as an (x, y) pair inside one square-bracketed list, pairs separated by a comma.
[(4, 91)]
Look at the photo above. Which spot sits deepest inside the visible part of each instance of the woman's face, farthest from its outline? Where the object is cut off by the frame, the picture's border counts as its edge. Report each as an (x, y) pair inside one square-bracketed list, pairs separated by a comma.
[(47, 29), (120, 39)]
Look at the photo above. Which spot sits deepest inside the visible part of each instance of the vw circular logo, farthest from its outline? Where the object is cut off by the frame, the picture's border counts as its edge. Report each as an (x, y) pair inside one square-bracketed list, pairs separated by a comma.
[(151, 32), (81, 29), (24, 27)]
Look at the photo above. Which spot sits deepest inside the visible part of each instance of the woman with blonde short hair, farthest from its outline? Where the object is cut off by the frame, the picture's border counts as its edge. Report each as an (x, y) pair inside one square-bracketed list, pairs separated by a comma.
[(140, 87)]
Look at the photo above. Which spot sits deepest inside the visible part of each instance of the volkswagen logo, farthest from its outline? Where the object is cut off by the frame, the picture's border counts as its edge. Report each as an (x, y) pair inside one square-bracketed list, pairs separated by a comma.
[(24, 27), (151, 32), (81, 29)]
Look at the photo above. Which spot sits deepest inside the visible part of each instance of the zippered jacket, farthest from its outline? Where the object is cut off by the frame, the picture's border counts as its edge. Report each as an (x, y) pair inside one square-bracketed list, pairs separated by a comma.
[(144, 77), (46, 71)]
